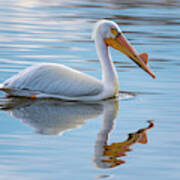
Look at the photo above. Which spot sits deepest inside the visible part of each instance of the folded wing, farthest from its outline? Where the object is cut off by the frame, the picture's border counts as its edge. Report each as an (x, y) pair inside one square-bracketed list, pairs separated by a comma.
[(55, 79)]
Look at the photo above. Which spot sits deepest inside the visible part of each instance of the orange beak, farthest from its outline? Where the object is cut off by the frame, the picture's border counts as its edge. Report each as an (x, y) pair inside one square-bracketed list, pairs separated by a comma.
[(121, 43)]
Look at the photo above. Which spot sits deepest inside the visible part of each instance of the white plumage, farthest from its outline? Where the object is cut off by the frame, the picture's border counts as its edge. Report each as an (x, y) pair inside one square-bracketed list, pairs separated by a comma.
[(56, 80)]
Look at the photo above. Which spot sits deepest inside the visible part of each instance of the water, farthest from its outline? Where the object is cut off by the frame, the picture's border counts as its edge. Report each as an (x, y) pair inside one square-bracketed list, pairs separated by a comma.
[(56, 140)]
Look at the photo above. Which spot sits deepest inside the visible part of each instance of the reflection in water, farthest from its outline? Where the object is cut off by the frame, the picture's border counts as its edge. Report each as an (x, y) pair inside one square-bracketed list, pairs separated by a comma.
[(53, 117), (107, 156), (52, 31)]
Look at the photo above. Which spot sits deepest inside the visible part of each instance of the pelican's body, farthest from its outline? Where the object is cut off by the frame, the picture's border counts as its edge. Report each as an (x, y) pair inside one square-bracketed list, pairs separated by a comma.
[(49, 80), (53, 80)]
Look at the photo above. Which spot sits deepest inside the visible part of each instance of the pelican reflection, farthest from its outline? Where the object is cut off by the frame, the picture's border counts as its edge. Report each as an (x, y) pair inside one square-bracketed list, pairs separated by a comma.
[(50, 116), (53, 117)]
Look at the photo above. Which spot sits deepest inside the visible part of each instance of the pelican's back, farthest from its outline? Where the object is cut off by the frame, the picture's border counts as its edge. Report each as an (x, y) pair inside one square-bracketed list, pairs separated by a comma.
[(55, 79)]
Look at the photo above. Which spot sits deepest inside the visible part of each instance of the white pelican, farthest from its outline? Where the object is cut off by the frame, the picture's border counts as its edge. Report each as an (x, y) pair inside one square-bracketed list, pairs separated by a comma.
[(48, 80)]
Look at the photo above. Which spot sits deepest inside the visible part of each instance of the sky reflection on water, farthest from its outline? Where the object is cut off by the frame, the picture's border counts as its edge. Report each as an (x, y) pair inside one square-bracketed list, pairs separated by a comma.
[(60, 32)]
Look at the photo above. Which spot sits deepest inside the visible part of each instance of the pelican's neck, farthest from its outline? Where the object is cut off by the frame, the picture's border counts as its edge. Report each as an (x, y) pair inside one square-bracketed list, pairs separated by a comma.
[(109, 74)]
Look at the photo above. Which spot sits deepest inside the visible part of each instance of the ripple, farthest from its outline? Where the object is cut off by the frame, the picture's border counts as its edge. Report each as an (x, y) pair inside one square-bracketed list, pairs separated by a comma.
[(60, 32)]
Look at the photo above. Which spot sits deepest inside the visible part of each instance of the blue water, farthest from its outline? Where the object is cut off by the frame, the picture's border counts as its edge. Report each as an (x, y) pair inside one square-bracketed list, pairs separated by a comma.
[(42, 140)]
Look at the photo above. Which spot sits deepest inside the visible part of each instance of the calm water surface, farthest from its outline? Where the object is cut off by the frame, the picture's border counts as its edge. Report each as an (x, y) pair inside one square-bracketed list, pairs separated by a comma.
[(43, 140)]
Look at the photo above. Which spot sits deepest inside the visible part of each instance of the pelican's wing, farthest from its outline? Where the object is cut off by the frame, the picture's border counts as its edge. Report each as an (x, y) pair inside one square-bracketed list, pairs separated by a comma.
[(55, 79)]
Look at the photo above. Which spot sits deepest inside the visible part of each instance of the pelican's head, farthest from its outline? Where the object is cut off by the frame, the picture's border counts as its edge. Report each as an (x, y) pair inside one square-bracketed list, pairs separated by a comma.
[(114, 37)]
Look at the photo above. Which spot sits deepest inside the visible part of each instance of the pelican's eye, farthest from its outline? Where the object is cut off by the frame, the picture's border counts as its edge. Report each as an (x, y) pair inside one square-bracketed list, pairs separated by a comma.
[(115, 32)]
